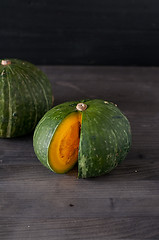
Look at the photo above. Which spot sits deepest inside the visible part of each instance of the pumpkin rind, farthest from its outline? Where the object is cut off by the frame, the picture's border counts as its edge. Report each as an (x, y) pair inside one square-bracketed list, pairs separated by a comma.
[(25, 96), (105, 139), (105, 136)]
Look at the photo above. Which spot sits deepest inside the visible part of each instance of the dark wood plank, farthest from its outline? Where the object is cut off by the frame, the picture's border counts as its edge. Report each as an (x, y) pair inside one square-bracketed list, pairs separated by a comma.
[(38, 204), (81, 32), (135, 228), (131, 88), (140, 164), (38, 179)]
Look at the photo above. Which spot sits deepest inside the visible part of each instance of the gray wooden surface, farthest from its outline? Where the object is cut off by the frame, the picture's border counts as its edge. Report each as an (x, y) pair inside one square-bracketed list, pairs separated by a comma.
[(38, 204)]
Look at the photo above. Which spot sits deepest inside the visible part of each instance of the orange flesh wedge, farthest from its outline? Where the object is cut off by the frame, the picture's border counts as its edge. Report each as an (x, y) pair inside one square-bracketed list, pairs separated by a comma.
[(63, 149)]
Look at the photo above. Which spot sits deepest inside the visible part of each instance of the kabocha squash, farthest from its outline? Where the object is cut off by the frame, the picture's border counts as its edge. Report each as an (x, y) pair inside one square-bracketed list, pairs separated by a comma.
[(94, 132), (25, 96)]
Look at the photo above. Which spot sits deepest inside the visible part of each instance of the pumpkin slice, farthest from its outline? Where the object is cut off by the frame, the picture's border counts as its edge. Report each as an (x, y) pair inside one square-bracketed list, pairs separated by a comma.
[(63, 150)]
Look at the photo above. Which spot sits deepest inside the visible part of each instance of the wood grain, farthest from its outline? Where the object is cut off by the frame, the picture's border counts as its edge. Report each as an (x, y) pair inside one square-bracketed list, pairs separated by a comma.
[(124, 204), (76, 229)]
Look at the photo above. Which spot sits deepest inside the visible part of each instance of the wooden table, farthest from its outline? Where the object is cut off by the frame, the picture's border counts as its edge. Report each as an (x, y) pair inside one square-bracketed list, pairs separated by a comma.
[(38, 204)]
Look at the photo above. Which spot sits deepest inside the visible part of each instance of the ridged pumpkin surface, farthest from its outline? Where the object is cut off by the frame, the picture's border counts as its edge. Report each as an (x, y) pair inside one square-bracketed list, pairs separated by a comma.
[(25, 96), (102, 131)]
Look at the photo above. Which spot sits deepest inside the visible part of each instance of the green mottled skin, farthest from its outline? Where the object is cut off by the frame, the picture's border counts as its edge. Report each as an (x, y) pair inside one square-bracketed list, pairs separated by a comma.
[(105, 137), (25, 96)]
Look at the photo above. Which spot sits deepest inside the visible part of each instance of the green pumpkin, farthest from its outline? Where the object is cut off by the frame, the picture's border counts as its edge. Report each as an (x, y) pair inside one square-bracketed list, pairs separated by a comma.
[(25, 96), (103, 131)]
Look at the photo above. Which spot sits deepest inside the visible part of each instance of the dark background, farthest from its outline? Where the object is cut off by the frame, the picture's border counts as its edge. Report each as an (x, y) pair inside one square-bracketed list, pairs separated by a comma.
[(87, 32)]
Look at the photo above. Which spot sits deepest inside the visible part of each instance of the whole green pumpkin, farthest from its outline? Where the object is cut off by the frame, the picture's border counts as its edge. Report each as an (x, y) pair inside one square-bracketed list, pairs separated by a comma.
[(93, 132), (25, 96)]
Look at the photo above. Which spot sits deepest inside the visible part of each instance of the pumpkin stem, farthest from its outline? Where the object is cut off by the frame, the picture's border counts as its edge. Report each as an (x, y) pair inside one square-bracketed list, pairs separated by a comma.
[(81, 107), (5, 62)]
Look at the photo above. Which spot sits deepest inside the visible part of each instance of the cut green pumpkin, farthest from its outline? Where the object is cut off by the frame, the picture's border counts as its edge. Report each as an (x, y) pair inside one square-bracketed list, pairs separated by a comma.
[(93, 132)]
